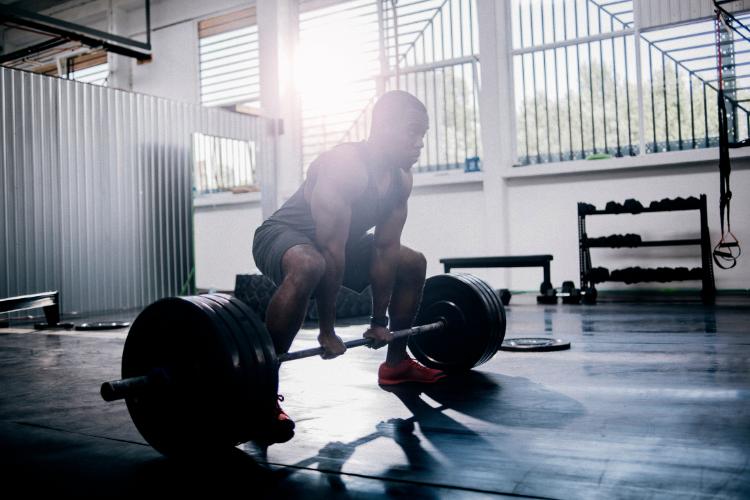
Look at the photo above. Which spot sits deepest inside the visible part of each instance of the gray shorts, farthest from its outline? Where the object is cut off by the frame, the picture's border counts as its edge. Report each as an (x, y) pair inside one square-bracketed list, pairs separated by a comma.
[(272, 240)]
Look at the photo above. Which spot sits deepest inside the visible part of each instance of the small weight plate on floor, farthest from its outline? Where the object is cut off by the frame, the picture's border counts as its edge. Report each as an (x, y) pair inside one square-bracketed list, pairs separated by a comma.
[(532, 344), (103, 325), (45, 326)]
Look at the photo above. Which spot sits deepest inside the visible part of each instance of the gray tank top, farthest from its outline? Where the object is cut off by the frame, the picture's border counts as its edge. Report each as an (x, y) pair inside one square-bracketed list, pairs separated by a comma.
[(367, 211)]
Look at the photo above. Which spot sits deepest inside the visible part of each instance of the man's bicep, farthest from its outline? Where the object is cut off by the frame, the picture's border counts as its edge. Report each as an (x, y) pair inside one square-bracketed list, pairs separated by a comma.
[(331, 214)]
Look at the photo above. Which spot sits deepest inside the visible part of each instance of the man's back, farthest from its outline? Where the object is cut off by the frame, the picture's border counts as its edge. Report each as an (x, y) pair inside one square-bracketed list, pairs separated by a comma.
[(367, 210)]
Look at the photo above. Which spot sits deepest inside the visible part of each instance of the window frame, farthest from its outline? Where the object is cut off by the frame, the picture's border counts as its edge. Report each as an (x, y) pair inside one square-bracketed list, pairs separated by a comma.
[(699, 156), (221, 24)]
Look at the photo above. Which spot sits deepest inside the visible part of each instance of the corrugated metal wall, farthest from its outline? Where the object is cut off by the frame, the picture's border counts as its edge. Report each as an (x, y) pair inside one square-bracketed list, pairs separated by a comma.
[(661, 12), (95, 190)]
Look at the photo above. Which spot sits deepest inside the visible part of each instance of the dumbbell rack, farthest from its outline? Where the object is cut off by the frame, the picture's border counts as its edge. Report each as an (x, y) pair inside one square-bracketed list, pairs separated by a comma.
[(708, 292)]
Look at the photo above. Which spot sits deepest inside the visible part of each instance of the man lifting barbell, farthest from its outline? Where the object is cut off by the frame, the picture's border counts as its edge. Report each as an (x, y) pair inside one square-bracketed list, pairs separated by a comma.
[(318, 241), (200, 372)]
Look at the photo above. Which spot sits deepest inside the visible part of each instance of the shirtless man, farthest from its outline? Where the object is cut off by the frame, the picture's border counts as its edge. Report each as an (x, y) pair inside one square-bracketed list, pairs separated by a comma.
[(318, 241)]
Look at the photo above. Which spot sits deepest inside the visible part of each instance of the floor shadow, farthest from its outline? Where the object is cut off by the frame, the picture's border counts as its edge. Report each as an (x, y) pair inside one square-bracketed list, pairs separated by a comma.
[(396, 481), (504, 400), (495, 400), (444, 449)]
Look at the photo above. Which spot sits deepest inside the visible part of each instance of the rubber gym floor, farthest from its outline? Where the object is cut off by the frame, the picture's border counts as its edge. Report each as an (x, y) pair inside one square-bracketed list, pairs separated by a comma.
[(651, 401)]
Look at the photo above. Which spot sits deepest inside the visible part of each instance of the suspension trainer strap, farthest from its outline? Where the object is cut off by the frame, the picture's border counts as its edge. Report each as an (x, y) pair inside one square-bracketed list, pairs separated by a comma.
[(727, 250)]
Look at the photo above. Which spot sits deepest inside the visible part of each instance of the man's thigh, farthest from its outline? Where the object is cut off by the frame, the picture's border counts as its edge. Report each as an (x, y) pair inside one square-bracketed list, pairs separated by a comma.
[(270, 243), (357, 266)]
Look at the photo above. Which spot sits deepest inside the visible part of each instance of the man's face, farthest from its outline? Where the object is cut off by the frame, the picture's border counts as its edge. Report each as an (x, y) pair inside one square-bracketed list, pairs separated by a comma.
[(404, 139)]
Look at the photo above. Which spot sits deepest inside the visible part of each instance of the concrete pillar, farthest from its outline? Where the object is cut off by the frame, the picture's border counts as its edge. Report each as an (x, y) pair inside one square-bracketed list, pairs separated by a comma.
[(498, 135), (278, 29), (120, 67)]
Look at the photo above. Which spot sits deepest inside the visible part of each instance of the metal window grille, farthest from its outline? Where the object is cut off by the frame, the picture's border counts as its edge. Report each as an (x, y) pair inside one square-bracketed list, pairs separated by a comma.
[(339, 55), (426, 47), (681, 85), (432, 49), (575, 80), (223, 164), (98, 75), (88, 68), (229, 59)]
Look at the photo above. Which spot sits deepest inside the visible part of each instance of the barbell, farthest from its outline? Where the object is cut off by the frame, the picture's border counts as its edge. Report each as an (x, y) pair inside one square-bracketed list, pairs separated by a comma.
[(200, 372)]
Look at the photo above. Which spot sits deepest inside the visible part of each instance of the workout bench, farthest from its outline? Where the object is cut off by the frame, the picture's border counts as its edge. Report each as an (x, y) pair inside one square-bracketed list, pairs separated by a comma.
[(48, 301), (542, 261)]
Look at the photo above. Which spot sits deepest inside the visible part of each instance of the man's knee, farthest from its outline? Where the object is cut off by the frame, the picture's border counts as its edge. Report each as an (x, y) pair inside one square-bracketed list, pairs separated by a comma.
[(412, 265)]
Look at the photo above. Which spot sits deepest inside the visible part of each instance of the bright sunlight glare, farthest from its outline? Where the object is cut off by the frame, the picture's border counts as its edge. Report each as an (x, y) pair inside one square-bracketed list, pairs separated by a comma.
[(331, 62)]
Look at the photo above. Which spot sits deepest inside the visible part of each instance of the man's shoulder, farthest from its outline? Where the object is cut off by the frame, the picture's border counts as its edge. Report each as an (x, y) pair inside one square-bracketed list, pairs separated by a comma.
[(345, 159), (346, 153), (342, 166)]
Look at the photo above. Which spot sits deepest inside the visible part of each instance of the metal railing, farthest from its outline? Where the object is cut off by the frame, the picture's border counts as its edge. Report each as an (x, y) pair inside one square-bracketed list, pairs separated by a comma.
[(576, 68), (449, 90), (682, 86), (333, 41), (223, 164), (430, 49)]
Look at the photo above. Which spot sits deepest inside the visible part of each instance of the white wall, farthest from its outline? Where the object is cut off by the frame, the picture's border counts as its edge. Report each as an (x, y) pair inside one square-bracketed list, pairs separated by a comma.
[(223, 242), (451, 221), (446, 221), (543, 219), (173, 72)]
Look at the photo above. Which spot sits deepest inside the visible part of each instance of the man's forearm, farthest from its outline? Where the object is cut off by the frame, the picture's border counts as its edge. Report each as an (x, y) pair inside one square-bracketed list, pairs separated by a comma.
[(382, 277), (328, 288)]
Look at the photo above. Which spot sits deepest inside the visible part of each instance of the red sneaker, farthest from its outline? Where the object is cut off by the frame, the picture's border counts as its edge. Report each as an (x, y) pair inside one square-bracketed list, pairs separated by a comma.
[(407, 370), (281, 429)]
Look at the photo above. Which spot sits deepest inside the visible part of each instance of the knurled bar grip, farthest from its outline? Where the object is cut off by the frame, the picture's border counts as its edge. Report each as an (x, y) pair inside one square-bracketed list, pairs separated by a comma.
[(316, 351)]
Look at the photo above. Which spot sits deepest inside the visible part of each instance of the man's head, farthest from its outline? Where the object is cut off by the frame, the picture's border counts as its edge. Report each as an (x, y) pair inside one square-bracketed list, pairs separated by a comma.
[(399, 123)]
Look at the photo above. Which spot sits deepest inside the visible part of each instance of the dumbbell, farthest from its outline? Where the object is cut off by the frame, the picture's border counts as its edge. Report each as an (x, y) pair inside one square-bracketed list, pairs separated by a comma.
[(569, 294)]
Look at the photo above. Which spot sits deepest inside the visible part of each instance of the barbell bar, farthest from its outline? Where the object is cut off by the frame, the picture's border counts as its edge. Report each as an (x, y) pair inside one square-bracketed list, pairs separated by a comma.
[(121, 389), (397, 334), (201, 371)]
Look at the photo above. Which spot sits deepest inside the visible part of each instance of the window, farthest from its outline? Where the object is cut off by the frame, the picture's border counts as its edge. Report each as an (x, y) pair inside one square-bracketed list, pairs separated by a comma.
[(338, 69), (71, 61), (90, 67), (576, 65), (229, 61), (351, 51), (223, 164), (681, 84), (575, 80), (98, 75), (432, 51)]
